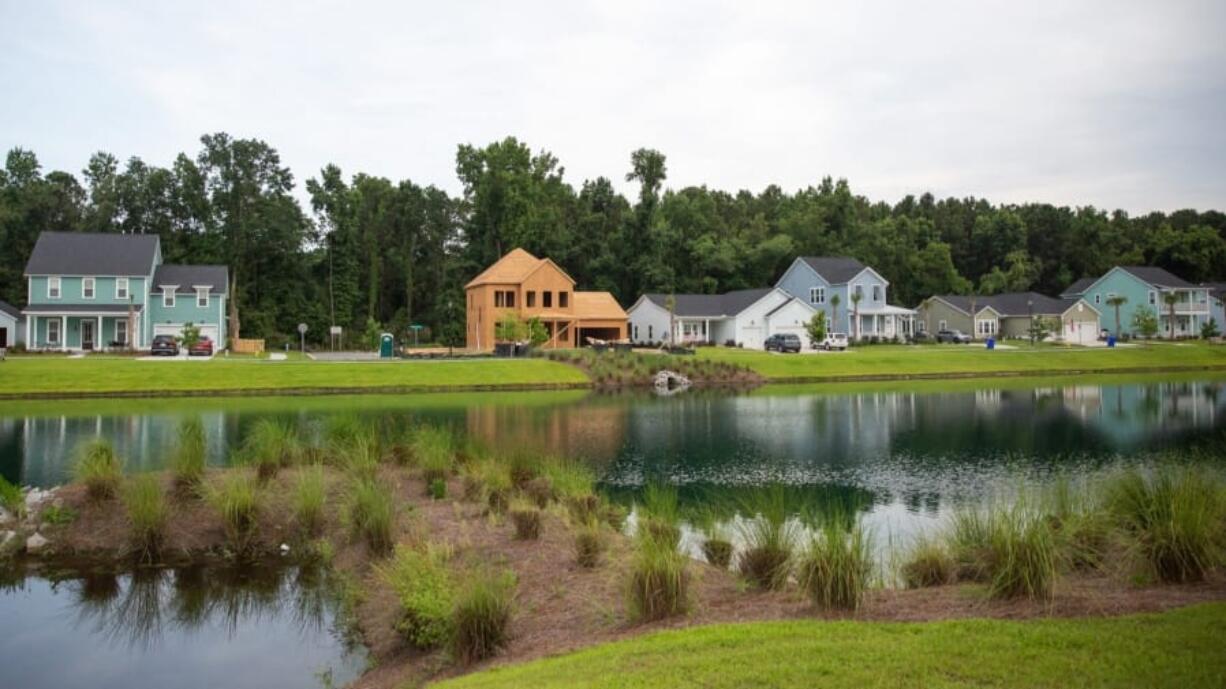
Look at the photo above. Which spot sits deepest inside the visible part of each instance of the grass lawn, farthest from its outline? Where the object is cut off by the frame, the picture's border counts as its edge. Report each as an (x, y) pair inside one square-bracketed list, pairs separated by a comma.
[(931, 360), (41, 374), (1181, 648)]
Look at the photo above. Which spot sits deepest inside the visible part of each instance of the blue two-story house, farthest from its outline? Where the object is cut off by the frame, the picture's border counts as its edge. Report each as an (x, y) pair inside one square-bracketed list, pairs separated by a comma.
[(817, 280), (91, 292), (1145, 287)]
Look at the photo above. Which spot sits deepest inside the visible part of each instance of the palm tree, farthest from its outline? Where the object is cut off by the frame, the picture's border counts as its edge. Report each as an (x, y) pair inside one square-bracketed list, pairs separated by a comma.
[(856, 296), (1116, 302), (1170, 299), (834, 312)]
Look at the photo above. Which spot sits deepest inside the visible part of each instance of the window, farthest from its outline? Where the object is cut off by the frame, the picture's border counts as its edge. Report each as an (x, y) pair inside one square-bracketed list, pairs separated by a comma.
[(547, 299), (817, 295), (202, 297), (563, 300), (636, 332), (121, 288), (650, 336), (53, 287), (1098, 299), (510, 299), (1153, 298), (985, 327), (121, 331), (504, 299), (53, 332), (942, 325), (530, 299), (860, 291), (876, 292), (168, 297), (87, 288)]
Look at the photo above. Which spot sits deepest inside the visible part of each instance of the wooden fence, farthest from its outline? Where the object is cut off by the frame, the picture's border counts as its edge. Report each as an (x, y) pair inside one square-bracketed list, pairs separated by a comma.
[(247, 346)]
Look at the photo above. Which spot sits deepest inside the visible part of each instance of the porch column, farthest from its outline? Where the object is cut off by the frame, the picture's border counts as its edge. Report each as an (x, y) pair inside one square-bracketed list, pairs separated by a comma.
[(29, 342), (64, 333), (98, 336)]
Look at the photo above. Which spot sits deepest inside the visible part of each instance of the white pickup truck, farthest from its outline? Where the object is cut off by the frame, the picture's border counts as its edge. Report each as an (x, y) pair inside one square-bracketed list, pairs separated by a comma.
[(834, 341)]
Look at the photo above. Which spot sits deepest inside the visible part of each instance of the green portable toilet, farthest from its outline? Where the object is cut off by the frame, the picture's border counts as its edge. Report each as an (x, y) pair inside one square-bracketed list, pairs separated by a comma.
[(387, 346)]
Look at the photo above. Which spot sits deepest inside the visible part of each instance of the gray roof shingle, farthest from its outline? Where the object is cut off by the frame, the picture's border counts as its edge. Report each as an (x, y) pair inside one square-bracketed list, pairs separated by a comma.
[(1217, 289), (712, 305), (836, 270), (187, 277), (88, 253), (1080, 286), (11, 310), (1012, 303), (1159, 277)]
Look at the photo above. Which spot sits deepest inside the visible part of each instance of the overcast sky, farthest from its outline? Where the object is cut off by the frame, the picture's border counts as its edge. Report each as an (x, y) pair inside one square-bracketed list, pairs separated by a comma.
[(1114, 103)]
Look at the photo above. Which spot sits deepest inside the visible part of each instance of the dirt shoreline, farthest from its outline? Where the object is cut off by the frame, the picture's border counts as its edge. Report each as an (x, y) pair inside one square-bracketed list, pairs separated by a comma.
[(560, 607), (546, 387)]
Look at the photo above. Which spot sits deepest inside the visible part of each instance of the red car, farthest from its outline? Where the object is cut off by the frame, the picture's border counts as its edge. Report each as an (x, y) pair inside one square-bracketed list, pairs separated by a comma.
[(203, 347)]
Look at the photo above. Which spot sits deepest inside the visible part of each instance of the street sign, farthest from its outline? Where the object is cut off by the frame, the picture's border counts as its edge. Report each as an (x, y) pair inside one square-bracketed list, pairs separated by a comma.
[(334, 330), (415, 328), (302, 328)]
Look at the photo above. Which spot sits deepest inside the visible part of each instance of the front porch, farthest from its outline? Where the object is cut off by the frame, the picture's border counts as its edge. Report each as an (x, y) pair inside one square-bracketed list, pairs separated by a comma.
[(888, 322), (82, 331)]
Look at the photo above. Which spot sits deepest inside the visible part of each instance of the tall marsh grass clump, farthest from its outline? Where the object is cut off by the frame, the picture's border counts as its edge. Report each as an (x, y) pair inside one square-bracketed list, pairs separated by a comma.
[(147, 514), (1023, 555), (590, 544), (352, 445), (482, 614), (99, 468), (1174, 517), (423, 587), (659, 583), (12, 499), (658, 515), (928, 563), (188, 461), (236, 498), (569, 478), (371, 513), (434, 452), (836, 569), (716, 544), (770, 538), (527, 520), (270, 445), (309, 497)]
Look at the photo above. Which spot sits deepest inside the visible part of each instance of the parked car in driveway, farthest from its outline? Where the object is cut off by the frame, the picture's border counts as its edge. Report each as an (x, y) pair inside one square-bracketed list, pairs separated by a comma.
[(834, 341), (203, 347), (164, 345), (783, 342), (953, 337)]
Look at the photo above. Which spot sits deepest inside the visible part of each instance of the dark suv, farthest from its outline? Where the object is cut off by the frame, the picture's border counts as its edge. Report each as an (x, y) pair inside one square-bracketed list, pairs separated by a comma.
[(953, 337), (783, 342), (164, 345)]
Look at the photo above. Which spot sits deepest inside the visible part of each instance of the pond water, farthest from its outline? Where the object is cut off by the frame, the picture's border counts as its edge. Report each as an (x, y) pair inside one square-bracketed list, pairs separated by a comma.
[(194, 627), (903, 453)]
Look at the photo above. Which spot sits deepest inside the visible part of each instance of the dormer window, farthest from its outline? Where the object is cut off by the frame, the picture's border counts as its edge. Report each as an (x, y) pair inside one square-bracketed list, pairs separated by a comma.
[(168, 296), (121, 289), (817, 295), (53, 287), (202, 297), (87, 288)]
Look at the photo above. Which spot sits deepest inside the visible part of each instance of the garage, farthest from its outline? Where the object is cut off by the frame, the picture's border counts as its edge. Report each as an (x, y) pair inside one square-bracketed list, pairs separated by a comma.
[(792, 317), (1079, 324), (176, 330)]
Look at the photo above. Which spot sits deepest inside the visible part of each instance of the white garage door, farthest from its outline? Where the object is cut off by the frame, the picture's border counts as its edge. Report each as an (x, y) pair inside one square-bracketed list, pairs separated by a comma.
[(209, 331), (793, 329), (1080, 332)]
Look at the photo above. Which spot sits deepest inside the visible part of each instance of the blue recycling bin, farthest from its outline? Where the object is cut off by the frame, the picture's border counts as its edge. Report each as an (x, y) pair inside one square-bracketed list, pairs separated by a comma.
[(1111, 340), (991, 343)]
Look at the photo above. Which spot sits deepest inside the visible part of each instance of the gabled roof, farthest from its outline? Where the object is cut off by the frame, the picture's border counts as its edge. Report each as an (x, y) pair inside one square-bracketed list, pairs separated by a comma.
[(88, 253), (788, 303), (712, 305), (1080, 286), (836, 270), (9, 309), (1217, 289), (1010, 304), (513, 269), (597, 306), (1158, 277), (188, 278)]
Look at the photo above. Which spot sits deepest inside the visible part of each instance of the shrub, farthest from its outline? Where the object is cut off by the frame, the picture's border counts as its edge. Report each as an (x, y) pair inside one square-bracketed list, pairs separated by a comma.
[(437, 489), (1175, 517), (718, 552), (659, 583), (423, 587), (58, 515), (527, 520), (590, 543), (147, 514), (836, 569), (928, 564), (99, 468), (308, 499), (237, 500), (269, 446), (188, 461), (12, 499), (481, 615), (370, 512), (769, 537), (1024, 558)]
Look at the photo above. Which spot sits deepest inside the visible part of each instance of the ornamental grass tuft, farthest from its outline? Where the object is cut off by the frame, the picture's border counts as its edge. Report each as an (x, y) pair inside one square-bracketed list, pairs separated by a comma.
[(481, 615), (147, 515), (99, 468), (188, 461)]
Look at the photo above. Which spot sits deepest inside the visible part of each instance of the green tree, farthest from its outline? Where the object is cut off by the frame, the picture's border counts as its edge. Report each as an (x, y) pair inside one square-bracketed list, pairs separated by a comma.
[(1209, 329), (816, 328), (190, 335), (535, 332), (510, 328), (1145, 322), (1115, 302), (1170, 299), (834, 312), (372, 335), (1041, 327)]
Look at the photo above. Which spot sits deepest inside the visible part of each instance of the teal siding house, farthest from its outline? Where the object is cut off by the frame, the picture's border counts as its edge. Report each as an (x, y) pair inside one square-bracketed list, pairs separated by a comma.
[(94, 292), (816, 280), (1217, 304), (1144, 287)]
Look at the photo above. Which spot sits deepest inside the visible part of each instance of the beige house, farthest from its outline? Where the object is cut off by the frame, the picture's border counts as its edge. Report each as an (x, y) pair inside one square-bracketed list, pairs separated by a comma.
[(1008, 316)]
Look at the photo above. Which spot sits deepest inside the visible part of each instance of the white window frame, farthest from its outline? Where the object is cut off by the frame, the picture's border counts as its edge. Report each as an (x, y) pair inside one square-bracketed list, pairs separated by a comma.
[(121, 331), (54, 287), (1098, 298), (942, 325), (817, 295), (53, 340), (876, 292), (985, 326), (121, 289), (859, 289), (168, 297), (202, 292), (89, 287), (1153, 298)]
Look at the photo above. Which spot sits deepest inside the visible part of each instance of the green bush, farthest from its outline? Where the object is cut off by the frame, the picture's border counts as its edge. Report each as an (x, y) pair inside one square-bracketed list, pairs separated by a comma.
[(437, 489), (836, 569), (309, 496), (659, 583), (423, 587), (188, 461), (718, 552), (236, 498), (147, 514), (12, 499), (481, 615), (99, 468)]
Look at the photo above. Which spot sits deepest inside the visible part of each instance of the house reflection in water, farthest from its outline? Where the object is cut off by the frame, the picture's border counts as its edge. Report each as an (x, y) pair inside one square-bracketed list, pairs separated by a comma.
[(591, 431)]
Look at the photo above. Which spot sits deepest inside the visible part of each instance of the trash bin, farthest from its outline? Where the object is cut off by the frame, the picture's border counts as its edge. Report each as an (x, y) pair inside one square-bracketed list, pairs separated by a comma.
[(1111, 340), (991, 343), (387, 346)]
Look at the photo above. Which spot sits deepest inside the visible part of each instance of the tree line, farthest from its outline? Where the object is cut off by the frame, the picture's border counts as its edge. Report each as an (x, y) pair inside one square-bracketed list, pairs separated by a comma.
[(372, 253)]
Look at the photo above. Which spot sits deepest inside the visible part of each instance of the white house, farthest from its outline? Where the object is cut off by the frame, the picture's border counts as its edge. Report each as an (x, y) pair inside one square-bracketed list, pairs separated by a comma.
[(12, 325), (745, 317)]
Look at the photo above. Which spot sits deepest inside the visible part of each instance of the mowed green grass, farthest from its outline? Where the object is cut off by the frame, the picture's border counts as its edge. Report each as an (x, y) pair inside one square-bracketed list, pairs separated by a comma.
[(901, 360), (39, 374), (1181, 648)]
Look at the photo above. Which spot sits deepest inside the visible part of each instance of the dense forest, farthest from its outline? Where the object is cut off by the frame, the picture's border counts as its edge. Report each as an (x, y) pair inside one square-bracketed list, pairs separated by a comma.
[(372, 252)]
